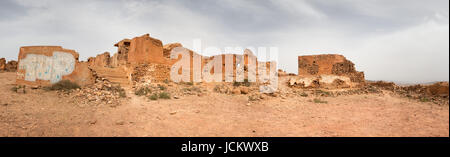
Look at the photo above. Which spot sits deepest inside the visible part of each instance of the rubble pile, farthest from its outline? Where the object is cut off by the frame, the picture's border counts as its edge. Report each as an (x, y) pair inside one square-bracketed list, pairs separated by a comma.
[(103, 92), (437, 92)]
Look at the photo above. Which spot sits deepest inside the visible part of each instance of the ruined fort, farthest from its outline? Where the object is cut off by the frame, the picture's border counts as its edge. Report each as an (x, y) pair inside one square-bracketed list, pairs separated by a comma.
[(329, 70), (145, 63)]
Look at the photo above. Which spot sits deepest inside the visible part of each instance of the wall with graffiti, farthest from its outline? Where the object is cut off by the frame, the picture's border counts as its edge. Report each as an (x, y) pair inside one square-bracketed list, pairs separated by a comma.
[(47, 68), (46, 65)]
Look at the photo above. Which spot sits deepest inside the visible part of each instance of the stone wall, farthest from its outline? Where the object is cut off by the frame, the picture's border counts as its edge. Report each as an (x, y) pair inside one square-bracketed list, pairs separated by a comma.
[(145, 49), (101, 60), (328, 70), (10, 66), (2, 64), (121, 57), (46, 65)]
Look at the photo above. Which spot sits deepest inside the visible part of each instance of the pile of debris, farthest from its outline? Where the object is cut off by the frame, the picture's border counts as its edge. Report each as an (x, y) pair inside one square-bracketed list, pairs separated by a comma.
[(437, 92), (103, 92)]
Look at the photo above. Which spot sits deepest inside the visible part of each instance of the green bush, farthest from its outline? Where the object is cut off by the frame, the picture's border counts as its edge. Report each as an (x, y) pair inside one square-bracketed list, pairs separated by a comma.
[(153, 97), (318, 101), (323, 93), (16, 88), (161, 87), (164, 95), (304, 94), (119, 90), (424, 100), (245, 83), (142, 91), (63, 85)]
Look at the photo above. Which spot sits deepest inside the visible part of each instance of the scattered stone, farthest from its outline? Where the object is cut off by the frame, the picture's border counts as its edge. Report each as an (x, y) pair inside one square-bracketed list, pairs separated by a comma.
[(244, 90), (120, 123), (92, 122), (201, 94), (236, 91)]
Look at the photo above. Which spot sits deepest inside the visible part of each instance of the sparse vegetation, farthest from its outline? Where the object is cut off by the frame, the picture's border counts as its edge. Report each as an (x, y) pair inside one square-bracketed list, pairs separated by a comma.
[(245, 83), (217, 88), (423, 99), (153, 97), (252, 98), (17, 88), (192, 89), (143, 91), (161, 87), (63, 85), (304, 94), (318, 101), (322, 93), (119, 90), (166, 81), (164, 95)]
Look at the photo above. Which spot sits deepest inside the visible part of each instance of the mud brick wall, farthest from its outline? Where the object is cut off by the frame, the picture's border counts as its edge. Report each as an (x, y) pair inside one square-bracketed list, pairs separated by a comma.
[(46, 65), (145, 49), (2, 64), (101, 60), (328, 64)]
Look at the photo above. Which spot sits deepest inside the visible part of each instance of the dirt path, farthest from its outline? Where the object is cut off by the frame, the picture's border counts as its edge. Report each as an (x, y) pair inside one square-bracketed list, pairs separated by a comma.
[(39, 113)]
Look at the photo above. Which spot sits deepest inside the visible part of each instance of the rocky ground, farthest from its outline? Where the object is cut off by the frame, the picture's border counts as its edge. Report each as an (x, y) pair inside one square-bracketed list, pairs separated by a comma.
[(186, 109)]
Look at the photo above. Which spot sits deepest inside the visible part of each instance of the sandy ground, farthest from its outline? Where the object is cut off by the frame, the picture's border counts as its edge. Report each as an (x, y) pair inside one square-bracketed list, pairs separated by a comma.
[(42, 113)]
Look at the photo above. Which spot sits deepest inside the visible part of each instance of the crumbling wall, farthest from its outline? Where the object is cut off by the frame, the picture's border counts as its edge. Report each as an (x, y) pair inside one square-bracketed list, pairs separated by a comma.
[(46, 65), (101, 60), (145, 49), (121, 57), (329, 71), (11, 66), (151, 73), (2, 64), (168, 48)]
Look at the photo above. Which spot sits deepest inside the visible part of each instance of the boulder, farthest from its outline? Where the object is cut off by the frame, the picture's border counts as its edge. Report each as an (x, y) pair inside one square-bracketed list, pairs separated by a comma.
[(244, 90), (236, 91)]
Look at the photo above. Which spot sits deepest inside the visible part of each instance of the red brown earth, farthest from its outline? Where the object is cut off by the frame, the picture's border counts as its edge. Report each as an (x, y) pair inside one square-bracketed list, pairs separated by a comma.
[(47, 113)]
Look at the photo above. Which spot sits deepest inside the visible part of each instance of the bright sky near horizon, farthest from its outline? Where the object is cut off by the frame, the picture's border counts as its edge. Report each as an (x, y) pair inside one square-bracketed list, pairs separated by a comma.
[(396, 40)]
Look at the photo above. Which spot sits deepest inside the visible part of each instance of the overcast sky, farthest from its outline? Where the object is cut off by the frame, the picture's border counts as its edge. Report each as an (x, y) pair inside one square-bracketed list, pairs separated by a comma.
[(398, 40)]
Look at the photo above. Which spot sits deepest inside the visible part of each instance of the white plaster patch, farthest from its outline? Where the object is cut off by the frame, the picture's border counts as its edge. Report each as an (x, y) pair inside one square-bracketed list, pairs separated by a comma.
[(41, 67)]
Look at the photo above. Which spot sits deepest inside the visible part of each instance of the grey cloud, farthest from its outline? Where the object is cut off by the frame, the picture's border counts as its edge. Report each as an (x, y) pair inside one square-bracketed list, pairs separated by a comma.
[(361, 30)]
